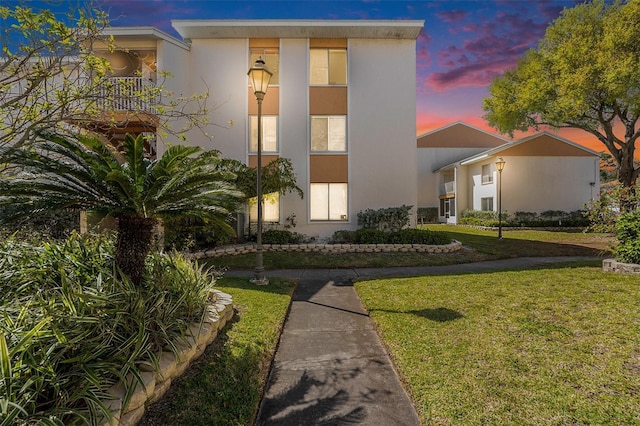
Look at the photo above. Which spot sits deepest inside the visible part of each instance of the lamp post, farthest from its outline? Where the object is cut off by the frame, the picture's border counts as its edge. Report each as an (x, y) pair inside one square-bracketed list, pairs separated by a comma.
[(500, 166), (259, 75)]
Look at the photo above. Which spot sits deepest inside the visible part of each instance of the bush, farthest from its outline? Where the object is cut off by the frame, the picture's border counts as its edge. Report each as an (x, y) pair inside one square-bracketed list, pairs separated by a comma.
[(387, 219), (427, 215), (628, 235), (344, 237), (418, 236), (73, 325), (46, 225), (371, 236), (281, 236)]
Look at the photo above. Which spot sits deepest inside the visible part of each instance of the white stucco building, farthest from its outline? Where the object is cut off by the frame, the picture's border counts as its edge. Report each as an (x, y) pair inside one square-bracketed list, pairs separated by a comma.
[(542, 172), (341, 105)]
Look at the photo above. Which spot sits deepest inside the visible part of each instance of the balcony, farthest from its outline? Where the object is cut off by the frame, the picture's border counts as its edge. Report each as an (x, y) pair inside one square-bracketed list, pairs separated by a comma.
[(447, 188), (124, 105)]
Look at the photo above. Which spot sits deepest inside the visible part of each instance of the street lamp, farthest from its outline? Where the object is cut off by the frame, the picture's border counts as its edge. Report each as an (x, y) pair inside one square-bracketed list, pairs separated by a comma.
[(500, 166), (259, 75)]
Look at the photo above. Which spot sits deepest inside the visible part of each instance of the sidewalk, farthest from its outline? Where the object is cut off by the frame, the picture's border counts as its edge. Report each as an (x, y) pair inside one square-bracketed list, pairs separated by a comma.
[(330, 367)]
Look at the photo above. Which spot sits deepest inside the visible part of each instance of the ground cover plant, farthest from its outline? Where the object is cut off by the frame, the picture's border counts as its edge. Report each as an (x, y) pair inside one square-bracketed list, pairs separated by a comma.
[(224, 386), (547, 346), (71, 325)]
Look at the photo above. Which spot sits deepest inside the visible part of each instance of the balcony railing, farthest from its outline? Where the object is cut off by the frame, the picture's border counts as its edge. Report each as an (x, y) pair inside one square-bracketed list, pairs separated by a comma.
[(127, 94), (447, 187)]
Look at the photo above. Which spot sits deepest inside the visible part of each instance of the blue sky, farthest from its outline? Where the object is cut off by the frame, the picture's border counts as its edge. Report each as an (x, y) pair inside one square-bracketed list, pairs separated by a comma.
[(463, 45)]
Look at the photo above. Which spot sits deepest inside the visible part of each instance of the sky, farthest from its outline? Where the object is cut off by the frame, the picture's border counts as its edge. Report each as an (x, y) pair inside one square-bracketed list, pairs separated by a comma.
[(462, 47)]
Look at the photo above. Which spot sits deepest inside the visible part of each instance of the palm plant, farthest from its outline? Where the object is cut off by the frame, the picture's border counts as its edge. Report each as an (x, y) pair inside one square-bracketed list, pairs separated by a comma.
[(78, 171)]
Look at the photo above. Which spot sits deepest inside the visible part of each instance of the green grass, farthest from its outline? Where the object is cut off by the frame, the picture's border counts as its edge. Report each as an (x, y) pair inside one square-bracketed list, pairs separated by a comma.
[(480, 245), (536, 347), (224, 386)]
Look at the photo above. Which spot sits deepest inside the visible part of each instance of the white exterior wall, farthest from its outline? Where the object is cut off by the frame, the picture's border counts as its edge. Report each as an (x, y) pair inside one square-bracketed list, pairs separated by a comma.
[(294, 126), (174, 60), (220, 67), (430, 159), (480, 190), (537, 184), (381, 125)]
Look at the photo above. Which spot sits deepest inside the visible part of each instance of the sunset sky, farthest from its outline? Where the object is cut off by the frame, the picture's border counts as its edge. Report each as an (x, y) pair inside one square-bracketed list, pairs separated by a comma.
[(463, 45)]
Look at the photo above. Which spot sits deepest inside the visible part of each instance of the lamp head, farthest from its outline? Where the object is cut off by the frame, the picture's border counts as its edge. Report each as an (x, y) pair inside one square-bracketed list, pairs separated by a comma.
[(259, 76), (500, 164)]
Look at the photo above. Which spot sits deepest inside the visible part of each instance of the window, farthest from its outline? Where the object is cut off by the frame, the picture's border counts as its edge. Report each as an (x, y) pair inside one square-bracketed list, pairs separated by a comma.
[(269, 133), (329, 134), (487, 174), (327, 66), (270, 57), (486, 204), (270, 208), (328, 201)]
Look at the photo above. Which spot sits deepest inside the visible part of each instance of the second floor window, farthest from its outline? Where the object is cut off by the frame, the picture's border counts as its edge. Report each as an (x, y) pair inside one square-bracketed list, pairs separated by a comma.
[(329, 133), (487, 174), (271, 58), (269, 133), (328, 66)]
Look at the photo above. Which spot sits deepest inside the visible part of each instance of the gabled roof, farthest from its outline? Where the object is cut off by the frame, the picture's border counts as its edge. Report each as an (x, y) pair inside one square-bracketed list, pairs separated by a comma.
[(459, 135), (543, 144), (296, 28)]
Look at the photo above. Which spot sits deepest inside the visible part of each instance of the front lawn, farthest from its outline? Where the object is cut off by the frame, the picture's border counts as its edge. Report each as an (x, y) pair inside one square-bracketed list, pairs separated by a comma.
[(548, 346), (224, 386)]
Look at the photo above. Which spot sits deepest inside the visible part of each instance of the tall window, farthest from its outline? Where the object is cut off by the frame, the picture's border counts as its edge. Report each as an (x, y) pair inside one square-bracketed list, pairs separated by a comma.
[(329, 133), (271, 58), (269, 133), (328, 66), (487, 174), (270, 208), (486, 204), (328, 201)]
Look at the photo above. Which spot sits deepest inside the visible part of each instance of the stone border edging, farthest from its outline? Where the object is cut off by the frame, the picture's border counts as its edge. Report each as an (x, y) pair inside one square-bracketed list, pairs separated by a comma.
[(171, 365), (328, 249), (611, 265)]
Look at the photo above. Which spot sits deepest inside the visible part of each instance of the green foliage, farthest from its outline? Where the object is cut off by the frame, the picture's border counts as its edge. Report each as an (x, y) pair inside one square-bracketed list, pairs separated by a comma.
[(427, 215), (603, 213), (277, 176), (418, 236), (72, 326), (584, 74), (386, 219), (343, 237), (75, 171), (281, 236), (48, 225), (549, 218), (628, 234), (371, 236), (194, 234), (481, 218)]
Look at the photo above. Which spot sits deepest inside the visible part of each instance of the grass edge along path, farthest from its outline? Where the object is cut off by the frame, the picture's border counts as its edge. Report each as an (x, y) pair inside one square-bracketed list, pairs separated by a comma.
[(224, 386), (546, 346)]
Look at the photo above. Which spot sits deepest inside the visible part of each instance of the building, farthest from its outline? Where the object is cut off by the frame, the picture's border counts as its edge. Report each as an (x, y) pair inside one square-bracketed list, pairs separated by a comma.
[(457, 171), (341, 105)]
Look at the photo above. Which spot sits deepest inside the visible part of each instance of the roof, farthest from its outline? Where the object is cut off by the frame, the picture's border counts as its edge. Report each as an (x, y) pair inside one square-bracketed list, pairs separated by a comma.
[(143, 33), (265, 28), (545, 145), (459, 135)]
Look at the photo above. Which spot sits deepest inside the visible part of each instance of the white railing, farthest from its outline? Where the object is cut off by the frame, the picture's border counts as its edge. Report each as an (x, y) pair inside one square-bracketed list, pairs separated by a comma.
[(127, 94)]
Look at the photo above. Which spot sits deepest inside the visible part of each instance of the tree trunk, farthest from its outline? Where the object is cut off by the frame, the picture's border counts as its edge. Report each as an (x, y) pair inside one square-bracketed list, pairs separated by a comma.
[(135, 235)]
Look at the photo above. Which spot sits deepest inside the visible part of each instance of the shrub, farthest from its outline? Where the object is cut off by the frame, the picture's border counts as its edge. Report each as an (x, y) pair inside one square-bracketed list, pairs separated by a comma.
[(344, 237), (281, 236), (628, 235), (371, 236), (418, 236), (427, 215), (73, 325), (387, 219)]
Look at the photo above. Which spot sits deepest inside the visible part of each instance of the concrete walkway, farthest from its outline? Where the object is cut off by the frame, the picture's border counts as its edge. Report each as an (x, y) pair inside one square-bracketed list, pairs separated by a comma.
[(330, 367)]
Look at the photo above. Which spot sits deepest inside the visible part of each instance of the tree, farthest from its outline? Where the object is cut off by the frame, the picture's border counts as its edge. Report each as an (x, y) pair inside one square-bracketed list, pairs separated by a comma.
[(584, 74), (51, 75), (66, 171)]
